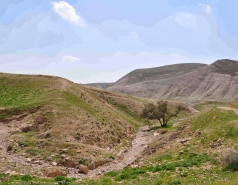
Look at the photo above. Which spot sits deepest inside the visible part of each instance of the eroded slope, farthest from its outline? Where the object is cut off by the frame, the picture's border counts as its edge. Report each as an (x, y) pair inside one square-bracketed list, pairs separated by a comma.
[(218, 81)]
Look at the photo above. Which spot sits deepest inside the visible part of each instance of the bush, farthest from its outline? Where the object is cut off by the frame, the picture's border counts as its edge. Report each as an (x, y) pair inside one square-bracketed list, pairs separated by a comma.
[(26, 178), (174, 182), (158, 182), (106, 181), (60, 178), (32, 183), (112, 174), (231, 161), (64, 182)]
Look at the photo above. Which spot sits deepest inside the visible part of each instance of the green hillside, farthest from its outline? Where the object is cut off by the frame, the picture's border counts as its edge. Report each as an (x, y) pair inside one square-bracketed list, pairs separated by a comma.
[(48, 114)]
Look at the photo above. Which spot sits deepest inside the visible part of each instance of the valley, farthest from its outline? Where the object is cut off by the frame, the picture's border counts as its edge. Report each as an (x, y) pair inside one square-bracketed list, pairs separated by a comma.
[(56, 131)]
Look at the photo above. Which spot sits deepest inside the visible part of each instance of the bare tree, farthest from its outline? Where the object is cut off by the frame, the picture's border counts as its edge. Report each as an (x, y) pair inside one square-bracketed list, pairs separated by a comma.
[(161, 111)]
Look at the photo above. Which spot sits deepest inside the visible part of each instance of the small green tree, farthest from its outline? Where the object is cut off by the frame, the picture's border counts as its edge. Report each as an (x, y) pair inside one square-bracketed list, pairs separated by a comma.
[(162, 112)]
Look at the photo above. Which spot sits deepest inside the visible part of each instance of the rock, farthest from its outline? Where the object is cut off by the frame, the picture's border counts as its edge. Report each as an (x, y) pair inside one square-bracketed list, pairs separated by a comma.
[(56, 172), (37, 162), (141, 163), (10, 147), (68, 163), (83, 169), (184, 141), (164, 131), (183, 175), (134, 166), (54, 163), (186, 144), (156, 134), (97, 164), (8, 172), (198, 134), (26, 128), (219, 142), (11, 173), (63, 151), (181, 152), (78, 151)]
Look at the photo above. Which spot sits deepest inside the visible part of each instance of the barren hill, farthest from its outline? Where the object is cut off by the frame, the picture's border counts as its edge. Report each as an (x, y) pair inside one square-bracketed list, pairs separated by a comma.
[(184, 82)]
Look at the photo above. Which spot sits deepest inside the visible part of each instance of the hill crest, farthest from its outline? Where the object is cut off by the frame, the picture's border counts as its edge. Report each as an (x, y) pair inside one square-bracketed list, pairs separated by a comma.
[(195, 83)]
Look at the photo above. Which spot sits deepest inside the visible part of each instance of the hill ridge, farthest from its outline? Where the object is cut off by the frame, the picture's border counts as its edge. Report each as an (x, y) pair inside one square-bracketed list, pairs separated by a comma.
[(215, 82)]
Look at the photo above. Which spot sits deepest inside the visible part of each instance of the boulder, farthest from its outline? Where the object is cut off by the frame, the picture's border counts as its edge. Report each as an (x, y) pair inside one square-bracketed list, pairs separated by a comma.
[(54, 163), (97, 164), (83, 169), (10, 147), (68, 163), (56, 172)]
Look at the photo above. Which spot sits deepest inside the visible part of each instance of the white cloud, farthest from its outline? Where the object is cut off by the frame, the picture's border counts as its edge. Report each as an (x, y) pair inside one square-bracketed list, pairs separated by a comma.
[(70, 58), (67, 12), (186, 19), (206, 8)]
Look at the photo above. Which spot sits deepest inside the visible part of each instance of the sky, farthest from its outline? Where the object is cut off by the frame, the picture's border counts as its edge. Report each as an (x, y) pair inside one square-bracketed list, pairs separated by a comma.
[(89, 41)]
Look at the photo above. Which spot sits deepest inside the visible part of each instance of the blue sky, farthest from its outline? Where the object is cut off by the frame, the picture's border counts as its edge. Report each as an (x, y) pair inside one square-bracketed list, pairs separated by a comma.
[(100, 41)]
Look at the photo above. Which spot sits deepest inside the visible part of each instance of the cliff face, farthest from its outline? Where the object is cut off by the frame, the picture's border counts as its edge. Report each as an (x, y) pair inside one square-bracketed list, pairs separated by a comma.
[(215, 82)]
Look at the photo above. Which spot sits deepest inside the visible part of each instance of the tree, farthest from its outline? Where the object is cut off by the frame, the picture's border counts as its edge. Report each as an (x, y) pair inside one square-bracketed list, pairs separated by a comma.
[(162, 112)]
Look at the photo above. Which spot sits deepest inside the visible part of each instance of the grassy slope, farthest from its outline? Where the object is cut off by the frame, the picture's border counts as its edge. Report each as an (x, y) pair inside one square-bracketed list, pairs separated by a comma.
[(73, 115), (173, 164), (197, 163)]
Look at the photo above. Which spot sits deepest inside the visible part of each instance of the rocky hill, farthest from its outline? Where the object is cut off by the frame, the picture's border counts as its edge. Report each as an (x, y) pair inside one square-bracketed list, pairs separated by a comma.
[(183, 82)]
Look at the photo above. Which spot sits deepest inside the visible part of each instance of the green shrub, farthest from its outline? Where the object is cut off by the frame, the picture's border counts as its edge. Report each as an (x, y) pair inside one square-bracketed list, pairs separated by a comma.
[(174, 182), (64, 182), (106, 181), (26, 178), (158, 182), (33, 183), (231, 161), (112, 174), (60, 178)]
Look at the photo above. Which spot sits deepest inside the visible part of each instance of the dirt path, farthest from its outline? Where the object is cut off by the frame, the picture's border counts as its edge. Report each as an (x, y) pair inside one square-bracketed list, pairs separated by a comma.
[(229, 108), (65, 84), (4, 133), (125, 157)]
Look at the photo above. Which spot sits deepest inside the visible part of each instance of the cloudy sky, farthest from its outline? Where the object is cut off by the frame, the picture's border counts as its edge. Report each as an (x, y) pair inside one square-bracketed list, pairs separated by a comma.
[(100, 41)]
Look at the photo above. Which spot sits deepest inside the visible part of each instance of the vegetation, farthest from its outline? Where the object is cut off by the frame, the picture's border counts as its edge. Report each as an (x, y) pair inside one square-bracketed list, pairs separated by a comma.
[(29, 180), (161, 112), (50, 114), (226, 66), (189, 151), (231, 161)]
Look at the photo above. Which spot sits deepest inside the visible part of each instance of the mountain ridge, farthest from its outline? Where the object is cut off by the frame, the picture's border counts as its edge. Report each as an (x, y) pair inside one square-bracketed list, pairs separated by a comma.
[(215, 82)]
